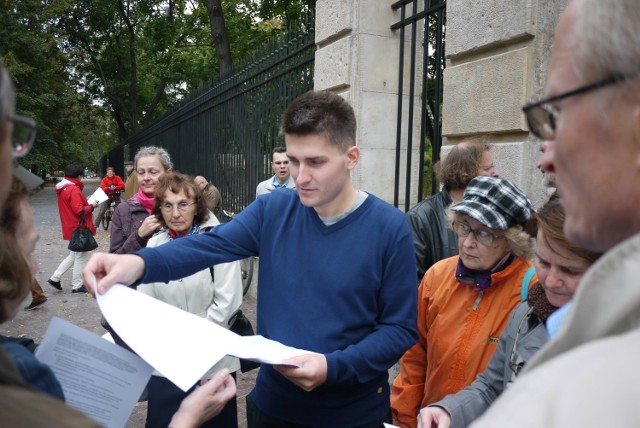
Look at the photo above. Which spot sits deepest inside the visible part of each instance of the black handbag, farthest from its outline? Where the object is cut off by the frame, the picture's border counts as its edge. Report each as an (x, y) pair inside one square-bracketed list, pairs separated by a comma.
[(81, 239), (240, 324)]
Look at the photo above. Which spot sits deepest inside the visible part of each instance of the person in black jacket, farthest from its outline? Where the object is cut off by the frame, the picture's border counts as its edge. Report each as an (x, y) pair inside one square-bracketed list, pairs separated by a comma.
[(432, 239)]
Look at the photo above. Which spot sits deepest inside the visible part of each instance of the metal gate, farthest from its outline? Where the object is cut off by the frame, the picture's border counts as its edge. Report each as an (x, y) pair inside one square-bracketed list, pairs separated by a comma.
[(226, 132), (428, 17)]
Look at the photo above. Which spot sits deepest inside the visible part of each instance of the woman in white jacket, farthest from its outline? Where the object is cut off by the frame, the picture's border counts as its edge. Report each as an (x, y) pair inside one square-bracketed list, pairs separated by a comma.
[(213, 293)]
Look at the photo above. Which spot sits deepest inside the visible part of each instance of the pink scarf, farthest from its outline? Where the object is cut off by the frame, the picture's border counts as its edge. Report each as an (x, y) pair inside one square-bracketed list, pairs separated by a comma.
[(144, 200)]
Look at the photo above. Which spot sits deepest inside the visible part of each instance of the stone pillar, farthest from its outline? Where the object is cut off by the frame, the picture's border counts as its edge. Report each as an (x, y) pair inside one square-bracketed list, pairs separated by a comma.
[(498, 53), (357, 56)]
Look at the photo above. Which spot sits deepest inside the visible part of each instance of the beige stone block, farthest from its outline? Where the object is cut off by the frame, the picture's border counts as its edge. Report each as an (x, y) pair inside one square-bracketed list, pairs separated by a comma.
[(376, 20), (375, 174), (377, 121), (517, 161), (378, 64), (333, 17), (486, 95), (481, 23), (333, 64)]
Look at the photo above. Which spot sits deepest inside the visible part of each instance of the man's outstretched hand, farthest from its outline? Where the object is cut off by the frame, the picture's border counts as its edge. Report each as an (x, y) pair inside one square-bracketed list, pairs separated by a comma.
[(110, 269)]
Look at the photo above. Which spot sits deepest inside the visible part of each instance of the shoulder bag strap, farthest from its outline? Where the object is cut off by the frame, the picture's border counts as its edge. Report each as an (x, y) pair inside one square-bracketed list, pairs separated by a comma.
[(524, 289), (81, 222)]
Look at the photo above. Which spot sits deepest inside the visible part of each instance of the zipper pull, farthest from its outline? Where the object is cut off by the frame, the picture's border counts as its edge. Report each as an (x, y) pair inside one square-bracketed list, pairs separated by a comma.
[(477, 302)]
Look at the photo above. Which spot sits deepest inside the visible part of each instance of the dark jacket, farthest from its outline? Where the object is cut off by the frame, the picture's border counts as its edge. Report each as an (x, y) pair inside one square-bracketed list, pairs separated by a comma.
[(126, 221), (432, 239)]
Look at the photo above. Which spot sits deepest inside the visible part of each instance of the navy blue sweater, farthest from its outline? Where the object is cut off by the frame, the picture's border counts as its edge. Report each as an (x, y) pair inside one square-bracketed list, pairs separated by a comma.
[(347, 291)]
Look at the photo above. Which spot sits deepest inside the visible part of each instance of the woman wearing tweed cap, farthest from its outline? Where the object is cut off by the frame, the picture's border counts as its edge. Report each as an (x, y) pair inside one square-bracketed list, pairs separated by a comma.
[(464, 301)]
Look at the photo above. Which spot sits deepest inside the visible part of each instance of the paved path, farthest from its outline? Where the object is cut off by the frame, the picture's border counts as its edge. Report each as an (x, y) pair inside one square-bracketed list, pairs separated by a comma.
[(81, 309)]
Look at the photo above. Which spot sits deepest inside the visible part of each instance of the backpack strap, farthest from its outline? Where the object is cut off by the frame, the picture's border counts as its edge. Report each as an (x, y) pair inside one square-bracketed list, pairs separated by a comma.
[(204, 230), (524, 289)]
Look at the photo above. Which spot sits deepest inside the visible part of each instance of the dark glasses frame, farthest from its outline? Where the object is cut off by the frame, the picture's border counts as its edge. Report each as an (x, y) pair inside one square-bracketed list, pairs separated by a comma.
[(542, 116)]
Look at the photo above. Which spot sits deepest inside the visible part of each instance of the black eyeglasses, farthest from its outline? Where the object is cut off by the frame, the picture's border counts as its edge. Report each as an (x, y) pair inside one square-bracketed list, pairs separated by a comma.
[(483, 236), (23, 135), (542, 116)]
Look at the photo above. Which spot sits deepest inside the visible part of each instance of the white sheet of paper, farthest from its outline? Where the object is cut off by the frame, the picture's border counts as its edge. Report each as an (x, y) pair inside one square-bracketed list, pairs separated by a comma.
[(180, 345), (386, 425), (98, 196), (98, 378)]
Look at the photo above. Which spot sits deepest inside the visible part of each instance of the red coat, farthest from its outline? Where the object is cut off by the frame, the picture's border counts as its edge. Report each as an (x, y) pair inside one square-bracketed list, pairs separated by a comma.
[(71, 200), (112, 181)]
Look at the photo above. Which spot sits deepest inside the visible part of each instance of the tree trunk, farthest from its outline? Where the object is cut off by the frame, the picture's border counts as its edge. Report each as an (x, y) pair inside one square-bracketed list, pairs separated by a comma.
[(219, 35)]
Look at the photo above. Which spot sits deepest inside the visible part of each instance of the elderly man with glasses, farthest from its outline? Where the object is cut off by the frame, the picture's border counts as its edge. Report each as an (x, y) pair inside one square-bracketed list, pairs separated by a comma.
[(587, 376)]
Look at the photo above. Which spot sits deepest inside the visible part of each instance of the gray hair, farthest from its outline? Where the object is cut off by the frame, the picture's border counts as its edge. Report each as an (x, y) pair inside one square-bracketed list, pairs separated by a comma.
[(7, 93), (605, 38), (158, 152), (521, 243)]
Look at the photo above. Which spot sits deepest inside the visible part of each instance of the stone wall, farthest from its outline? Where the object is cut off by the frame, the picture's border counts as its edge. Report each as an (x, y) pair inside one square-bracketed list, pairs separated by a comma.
[(497, 59), (357, 56)]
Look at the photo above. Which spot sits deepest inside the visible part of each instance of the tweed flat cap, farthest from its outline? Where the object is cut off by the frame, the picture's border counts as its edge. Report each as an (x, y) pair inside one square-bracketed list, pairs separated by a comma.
[(495, 202)]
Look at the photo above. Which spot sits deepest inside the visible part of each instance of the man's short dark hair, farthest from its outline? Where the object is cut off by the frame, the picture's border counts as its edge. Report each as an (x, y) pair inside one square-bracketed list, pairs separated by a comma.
[(73, 171), (322, 113), (279, 149), (462, 163)]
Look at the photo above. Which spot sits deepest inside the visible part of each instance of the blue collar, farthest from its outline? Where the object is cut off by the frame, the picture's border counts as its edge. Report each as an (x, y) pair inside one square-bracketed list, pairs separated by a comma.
[(277, 185)]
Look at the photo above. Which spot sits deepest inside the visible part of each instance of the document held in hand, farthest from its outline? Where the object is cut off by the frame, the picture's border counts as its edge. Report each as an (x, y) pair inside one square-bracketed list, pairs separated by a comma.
[(98, 378), (98, 196), (180, 345)]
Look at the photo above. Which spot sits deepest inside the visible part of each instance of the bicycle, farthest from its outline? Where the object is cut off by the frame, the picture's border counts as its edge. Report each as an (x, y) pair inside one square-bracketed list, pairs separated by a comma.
[(246, 265), (111, 208)]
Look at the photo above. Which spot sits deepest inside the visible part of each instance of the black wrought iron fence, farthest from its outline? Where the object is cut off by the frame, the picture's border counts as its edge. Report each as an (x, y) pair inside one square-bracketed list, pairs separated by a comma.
[(226, 132), (428, 18)]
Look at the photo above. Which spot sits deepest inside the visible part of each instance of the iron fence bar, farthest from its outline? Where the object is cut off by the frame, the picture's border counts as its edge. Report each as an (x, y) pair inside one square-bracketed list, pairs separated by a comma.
[(436, 141), (396, 186), (412, 90), (405, 21), (225, 131), (430, 107), (423, 111)]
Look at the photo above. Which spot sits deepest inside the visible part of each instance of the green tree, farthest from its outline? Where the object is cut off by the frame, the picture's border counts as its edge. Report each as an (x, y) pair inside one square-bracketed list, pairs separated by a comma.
[(67, 120)]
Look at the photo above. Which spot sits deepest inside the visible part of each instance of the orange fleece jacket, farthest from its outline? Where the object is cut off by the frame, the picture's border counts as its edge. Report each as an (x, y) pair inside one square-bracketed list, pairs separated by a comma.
[(455, 340)]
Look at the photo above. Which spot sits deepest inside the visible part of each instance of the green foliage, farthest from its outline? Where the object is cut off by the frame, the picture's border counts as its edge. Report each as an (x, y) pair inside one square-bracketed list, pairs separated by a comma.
[(93, 72), (287, 11), (45, 90)]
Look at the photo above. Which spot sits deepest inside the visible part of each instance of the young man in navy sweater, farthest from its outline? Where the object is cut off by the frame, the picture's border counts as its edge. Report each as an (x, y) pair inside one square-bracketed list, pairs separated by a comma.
[(337, 277)]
